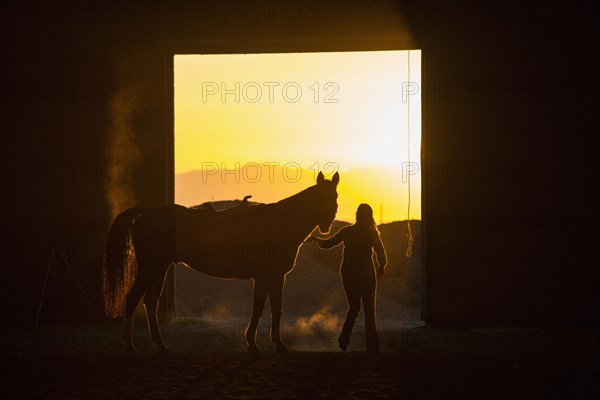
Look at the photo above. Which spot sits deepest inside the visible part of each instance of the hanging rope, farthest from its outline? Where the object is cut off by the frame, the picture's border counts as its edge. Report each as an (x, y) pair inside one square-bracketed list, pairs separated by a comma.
[(411, 240)]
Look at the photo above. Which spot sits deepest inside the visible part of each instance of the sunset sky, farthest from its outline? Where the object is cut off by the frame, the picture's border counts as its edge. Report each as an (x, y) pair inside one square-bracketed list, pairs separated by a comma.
[(274, 120)]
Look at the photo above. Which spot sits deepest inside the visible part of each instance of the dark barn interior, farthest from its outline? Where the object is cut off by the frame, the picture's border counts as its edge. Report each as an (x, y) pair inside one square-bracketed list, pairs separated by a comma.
[(510, 216)]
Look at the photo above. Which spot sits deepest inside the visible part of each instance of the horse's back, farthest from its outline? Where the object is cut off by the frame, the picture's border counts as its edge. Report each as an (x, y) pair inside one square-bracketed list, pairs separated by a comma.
[(234, 243)]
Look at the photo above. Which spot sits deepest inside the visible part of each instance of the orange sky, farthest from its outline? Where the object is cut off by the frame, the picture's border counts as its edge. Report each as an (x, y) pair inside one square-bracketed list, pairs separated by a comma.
[(273, 120)]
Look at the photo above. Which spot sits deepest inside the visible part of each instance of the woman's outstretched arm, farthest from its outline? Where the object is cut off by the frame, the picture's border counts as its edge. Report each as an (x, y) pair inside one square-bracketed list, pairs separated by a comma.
[(331, 242)]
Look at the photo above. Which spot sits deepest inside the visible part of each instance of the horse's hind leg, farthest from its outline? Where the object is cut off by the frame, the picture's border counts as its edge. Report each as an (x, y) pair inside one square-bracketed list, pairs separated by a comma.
[(258, 303), (151, 305), (275, 298), (131, 302)]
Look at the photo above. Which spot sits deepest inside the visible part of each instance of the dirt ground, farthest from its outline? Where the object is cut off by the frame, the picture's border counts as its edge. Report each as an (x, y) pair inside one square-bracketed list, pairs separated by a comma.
[(208, 361)]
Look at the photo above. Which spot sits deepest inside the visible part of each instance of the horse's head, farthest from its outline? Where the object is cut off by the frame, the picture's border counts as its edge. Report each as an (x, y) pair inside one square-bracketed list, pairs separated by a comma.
[(328, 200)]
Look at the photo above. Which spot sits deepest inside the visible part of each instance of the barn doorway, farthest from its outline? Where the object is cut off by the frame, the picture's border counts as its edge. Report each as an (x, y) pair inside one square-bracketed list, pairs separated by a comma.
[(264, 125)]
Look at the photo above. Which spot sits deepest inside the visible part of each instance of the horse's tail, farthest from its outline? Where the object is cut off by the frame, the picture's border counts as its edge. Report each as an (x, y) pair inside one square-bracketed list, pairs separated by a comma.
[(119, 262)]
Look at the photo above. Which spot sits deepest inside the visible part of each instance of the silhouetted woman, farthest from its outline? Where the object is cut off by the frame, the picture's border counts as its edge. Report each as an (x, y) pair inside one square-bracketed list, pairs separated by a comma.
[(358, 272)]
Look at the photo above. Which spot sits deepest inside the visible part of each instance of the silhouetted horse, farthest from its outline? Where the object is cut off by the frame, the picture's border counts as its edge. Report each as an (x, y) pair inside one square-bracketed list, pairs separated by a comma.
[(258, 242)]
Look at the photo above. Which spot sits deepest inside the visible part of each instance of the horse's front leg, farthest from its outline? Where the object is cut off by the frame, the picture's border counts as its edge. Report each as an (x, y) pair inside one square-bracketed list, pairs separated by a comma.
[(275, 298), (258, 304)]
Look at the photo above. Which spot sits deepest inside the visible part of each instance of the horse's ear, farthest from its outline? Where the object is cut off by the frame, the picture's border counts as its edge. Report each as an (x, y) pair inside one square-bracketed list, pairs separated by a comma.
[(320, 178), (336, 178)]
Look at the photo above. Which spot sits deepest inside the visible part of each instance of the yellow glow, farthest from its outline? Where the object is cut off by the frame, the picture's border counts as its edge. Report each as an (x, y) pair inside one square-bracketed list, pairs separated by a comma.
[(293, 114)]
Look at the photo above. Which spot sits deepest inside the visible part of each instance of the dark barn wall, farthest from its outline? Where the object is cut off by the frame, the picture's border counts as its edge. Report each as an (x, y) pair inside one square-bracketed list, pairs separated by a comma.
[(509, 214), (55, 87), (507, 115), (81, 141)]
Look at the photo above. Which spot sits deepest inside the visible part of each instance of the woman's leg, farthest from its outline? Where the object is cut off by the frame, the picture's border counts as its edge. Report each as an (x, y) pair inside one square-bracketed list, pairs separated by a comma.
[(353, 298), (368, 301)]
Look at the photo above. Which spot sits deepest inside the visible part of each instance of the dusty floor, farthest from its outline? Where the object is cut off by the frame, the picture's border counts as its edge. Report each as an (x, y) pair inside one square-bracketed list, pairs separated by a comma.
[(208, 361)]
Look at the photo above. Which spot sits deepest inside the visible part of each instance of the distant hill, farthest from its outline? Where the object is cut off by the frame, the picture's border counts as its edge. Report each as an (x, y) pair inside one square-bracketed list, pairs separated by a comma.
[(313, 285), (309, 288)]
